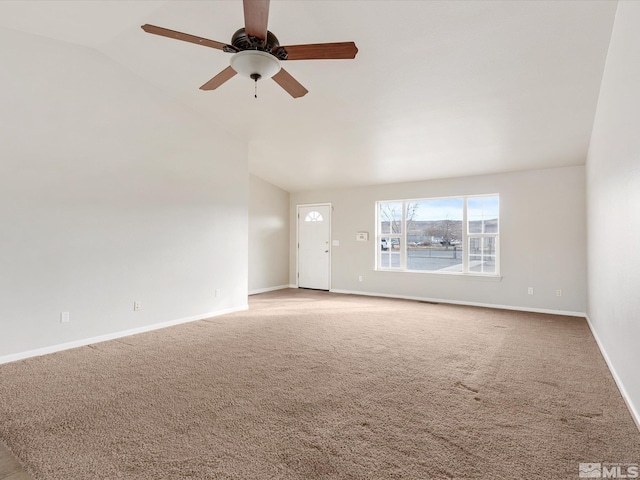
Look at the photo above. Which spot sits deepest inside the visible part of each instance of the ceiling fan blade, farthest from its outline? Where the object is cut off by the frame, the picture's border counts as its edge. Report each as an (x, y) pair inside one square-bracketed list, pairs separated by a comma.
[(185, 37), (321, 51), (219, 79), (256, 16), (290, 84)]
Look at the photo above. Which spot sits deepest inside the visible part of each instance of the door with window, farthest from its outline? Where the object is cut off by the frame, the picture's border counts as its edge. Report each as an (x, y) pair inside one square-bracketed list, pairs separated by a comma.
[(314, 246)]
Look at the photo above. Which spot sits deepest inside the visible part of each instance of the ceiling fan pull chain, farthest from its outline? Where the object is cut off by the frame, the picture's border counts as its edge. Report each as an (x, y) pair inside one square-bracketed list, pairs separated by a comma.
[(255, 77)]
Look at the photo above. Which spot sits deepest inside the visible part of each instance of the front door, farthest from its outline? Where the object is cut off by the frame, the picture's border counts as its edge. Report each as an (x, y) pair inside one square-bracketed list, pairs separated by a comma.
[(314, 238)]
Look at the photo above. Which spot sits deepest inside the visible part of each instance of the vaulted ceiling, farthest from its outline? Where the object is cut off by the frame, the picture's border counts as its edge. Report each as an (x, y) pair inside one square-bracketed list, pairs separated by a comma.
[(438, 88)]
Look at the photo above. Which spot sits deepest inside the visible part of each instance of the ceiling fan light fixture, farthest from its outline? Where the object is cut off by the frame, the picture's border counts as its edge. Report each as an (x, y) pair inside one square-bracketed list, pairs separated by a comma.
[(255, 64)]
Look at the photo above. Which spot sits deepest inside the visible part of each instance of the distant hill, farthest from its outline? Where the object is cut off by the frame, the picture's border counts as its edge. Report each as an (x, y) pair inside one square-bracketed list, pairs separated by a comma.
[(433, 227)]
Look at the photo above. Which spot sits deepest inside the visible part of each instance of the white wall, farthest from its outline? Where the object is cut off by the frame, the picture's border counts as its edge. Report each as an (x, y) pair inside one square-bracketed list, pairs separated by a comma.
[(542, 240), (268, 236), (110, 193), (613, 189)]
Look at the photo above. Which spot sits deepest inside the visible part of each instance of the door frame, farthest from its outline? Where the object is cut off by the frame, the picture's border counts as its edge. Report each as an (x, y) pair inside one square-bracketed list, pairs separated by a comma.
[(327, 204)]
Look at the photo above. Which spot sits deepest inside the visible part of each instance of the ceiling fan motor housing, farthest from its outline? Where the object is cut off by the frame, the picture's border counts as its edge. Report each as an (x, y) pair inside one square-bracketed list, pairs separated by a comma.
[(241, 42)]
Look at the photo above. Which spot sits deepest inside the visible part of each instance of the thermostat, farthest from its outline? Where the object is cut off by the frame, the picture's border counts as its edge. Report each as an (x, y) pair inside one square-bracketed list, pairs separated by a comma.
[(362, 236)]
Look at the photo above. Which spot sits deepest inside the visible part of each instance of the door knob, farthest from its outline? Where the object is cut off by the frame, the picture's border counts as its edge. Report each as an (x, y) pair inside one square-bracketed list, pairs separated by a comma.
[(326, 251)]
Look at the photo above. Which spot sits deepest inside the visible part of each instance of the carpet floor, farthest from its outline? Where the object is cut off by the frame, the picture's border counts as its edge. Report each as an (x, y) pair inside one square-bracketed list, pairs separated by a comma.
[(314, 385)]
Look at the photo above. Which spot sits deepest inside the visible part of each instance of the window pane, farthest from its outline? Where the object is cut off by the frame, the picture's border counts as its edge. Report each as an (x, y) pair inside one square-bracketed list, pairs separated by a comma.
[(390, 215), (390, 252), (482, 258), (394, 249), (478, 264), (482, 214), (384, 260), (482, 246), (383, 252), (434, 257), (434, 235)]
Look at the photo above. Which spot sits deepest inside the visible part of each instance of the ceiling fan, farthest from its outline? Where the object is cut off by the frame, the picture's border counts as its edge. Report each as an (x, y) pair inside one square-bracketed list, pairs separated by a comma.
[(257, 52)]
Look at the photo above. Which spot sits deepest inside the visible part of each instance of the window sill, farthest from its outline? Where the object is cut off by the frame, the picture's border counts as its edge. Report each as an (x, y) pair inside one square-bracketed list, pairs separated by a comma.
[(446, 275)]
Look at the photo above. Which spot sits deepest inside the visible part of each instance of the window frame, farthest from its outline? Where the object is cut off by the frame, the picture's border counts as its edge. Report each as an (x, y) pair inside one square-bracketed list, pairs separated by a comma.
[(390, 235), (465, 241)]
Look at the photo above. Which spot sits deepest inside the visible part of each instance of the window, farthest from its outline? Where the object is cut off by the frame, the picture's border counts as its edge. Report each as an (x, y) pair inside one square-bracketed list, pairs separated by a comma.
[(443, 235), (313, 217)]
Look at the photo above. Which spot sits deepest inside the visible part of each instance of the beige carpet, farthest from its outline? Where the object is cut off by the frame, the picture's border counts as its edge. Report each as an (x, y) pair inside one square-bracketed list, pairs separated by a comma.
[(312, 385)]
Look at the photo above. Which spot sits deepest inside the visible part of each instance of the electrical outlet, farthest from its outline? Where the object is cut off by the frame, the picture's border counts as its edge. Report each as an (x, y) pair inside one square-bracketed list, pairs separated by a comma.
[(359, 278), (530, 290), (64, 317), (558, 293), (136, 306)]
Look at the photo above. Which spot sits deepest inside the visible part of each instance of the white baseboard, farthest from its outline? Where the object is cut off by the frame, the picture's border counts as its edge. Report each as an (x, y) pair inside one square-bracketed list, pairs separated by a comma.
[(112, 336), (459, 302), (268, 289), (635, 412), (293, 285)]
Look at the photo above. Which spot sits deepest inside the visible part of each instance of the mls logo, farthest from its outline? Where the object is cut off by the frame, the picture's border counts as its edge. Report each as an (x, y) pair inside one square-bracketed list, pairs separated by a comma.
[(590, 470), (608, 470)]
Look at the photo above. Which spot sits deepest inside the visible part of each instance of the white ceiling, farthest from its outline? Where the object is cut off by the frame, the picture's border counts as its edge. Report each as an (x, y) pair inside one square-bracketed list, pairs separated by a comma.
[(438, 89)]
